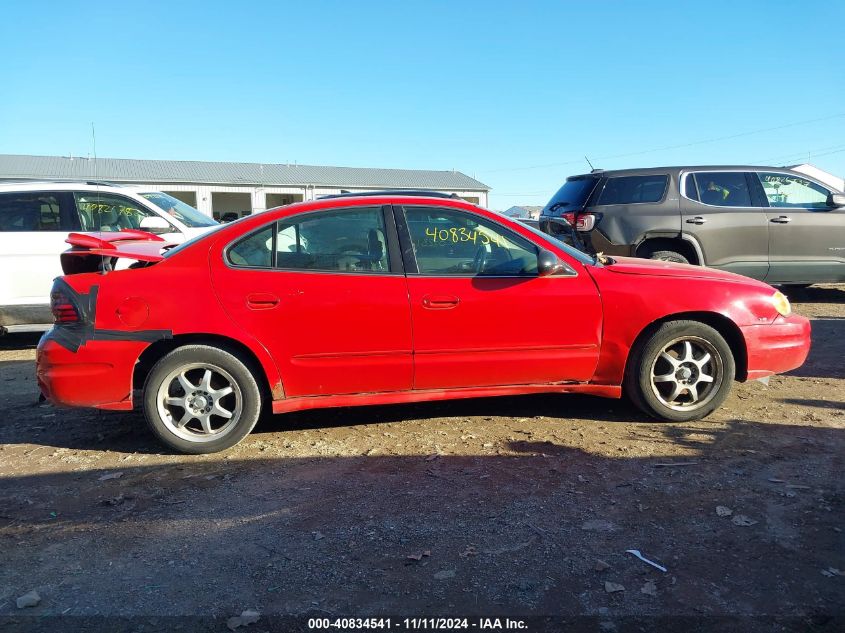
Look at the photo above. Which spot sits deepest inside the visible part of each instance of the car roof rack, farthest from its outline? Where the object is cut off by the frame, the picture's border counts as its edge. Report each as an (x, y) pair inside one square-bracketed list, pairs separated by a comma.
[(391, 192), (101, 183)]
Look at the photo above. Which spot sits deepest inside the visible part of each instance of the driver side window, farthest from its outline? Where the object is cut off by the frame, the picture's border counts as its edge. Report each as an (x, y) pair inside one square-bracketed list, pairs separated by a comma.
[(452, 242), (106, 212)]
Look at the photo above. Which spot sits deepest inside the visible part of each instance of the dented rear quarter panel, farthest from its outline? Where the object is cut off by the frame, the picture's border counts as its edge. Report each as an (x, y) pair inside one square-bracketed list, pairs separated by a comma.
[(165, 297)]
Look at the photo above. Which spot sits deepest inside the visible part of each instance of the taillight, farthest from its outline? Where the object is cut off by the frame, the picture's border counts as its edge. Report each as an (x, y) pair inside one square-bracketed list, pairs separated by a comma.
[(581, 221), (585, 222), (63, 308)]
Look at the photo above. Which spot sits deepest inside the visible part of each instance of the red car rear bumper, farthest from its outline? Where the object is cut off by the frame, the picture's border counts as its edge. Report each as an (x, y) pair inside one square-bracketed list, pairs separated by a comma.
[(777, 347), (98, 374)]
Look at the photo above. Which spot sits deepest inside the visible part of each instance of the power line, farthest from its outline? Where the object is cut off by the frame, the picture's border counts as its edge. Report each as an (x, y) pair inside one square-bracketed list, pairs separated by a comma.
[(811, 152), (671, 147)]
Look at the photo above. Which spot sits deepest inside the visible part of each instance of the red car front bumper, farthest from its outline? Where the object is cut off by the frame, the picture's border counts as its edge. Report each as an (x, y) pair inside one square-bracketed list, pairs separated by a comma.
[(98, 374), (777, 347)]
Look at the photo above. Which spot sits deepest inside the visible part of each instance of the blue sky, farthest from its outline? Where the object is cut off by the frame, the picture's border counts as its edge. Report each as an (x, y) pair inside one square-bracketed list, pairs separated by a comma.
[(512, 93)]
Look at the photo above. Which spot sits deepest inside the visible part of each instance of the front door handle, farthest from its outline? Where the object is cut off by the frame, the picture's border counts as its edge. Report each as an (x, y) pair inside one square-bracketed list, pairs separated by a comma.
[(440, 302), (782, 219), (696, 220), (261, 301)]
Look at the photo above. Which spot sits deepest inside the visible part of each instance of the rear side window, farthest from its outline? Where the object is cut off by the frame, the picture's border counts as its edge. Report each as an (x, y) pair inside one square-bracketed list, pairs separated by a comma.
[(254, 251), (31, 212), (723, 189), (633, 189), (349, 240)]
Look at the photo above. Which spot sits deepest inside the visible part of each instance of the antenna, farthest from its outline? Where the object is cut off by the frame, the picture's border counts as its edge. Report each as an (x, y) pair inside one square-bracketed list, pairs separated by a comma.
[(589, 163), (96, 179)]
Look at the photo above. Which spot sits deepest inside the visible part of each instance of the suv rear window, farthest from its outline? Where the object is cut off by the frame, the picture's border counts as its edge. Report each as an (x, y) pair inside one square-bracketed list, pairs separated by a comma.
[(572, 196), (633, 189)]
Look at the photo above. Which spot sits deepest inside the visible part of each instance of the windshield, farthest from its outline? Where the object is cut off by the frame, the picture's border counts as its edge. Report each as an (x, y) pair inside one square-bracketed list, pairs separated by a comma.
[(174, 207), (570, 250), (572, 196)]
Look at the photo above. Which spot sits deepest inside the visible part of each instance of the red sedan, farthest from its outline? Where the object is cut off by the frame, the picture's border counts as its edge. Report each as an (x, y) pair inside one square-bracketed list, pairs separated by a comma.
[(389, 298)]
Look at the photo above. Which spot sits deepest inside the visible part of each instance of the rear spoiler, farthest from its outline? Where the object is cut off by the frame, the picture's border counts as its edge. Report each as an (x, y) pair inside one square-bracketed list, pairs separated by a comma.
[(98, 252)]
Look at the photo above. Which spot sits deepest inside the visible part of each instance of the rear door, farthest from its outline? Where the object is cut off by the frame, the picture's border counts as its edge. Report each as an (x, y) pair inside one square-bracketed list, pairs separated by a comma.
[(806, 235), (481, 316), (719, 212), (33, 229), (323, 294)]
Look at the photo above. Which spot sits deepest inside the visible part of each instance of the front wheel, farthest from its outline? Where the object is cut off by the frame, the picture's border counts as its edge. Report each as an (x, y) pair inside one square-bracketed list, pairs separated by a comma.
[(683, 371), (201, 399)]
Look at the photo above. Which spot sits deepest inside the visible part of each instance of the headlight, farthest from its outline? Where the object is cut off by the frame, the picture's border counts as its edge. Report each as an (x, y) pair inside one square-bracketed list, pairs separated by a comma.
[(781, 304)]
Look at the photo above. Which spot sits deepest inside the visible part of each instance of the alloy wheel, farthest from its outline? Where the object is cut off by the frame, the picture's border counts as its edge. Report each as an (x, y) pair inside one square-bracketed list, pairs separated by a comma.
[(687, 373)]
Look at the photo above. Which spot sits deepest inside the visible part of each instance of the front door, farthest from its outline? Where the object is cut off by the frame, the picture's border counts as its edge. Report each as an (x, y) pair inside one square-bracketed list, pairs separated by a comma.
[(719, 212), (481, 316), (319, 292), (109, 212), (806, 235)]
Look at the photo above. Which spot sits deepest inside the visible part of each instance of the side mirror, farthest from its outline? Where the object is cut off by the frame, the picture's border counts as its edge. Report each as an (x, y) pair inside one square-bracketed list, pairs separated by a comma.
[(549, 264), (156, 225), (836, 200)]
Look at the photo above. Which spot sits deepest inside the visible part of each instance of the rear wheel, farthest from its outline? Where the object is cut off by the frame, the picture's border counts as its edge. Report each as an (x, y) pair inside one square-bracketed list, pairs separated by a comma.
[(669, 256), (201, 399), (683, 371)]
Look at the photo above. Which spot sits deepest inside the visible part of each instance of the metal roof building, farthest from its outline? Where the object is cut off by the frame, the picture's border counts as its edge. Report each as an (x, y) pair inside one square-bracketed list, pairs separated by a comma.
[(219, 188)]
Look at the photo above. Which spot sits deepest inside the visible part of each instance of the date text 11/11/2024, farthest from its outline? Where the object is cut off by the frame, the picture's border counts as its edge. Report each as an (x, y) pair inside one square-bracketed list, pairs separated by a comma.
[(417, 624)]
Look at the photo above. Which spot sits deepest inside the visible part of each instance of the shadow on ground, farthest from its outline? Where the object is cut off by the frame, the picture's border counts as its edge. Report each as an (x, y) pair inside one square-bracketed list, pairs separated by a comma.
[(825, 359), (513, 533)]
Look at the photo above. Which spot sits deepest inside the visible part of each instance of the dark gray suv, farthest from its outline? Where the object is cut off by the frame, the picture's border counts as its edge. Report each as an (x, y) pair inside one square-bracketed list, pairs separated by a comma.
[(769, 223)]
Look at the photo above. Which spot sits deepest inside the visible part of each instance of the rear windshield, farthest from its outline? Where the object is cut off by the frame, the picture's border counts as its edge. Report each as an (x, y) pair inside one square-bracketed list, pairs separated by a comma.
[(572, 196), (633, 189)]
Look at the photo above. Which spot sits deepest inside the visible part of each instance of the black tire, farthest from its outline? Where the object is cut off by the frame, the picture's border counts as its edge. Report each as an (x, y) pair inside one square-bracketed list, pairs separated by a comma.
[(669, 256), (204, 399), (697, 397)]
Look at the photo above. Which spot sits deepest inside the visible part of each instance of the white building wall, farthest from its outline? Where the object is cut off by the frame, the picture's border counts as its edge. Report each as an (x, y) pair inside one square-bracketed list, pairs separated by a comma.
[(822, 176)]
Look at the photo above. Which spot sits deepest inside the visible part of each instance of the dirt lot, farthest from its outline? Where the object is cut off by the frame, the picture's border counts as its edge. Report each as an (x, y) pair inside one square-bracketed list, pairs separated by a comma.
[(495, 507)]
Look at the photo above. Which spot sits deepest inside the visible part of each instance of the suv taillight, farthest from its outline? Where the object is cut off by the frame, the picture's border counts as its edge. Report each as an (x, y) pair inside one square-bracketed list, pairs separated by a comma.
[(581, 221), (585, 222), (63, 308)]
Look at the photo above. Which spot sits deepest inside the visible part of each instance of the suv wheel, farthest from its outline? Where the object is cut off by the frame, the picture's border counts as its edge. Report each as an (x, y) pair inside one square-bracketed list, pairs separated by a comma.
[(669, 256), (201, 399), (683, 371)]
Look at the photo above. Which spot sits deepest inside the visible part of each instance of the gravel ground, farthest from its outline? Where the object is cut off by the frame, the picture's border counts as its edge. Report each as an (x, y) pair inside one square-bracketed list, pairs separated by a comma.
[(513, 507)]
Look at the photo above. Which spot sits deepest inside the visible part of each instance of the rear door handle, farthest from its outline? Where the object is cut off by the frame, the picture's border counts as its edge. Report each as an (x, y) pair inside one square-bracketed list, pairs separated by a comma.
[(782, 219), (696, 220), (261, 301), (440, 302)]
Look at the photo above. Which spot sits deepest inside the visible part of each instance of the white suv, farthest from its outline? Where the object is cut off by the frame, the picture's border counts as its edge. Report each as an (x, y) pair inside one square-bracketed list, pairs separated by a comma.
[(36, 217)]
